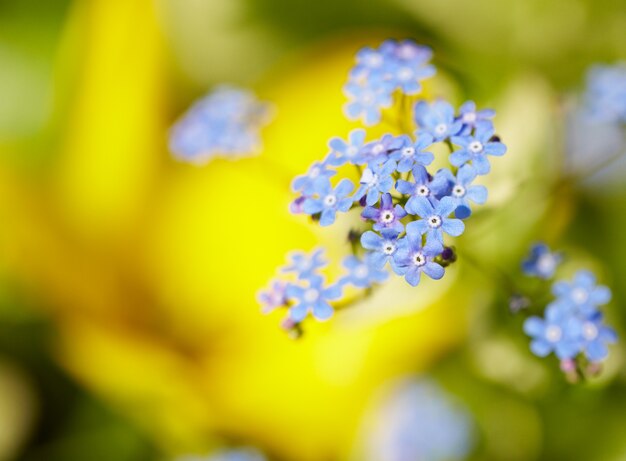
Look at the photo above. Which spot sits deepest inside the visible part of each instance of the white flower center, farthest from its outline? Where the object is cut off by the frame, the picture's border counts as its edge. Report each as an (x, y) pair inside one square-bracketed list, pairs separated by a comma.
[(553, 333), (389, 248), (469, 117), (408, 151), (311, 295), (330, 200), (374, 60), (441, 129), (419, 259), (406, 51), (367, 98), (546, 263), (405, 74), (361, 271), (579, 295), (378, 149), (423, 191), (458, 191), (590, 331), (351, 151), (475, 147), (386, 217), (434, 221)]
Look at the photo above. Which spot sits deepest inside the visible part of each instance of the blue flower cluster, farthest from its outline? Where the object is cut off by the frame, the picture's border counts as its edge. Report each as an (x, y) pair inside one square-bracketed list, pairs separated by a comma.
[(605, 97), (420, 422), (407, 211), (226, 122), (378, 73), (302, 288), (572, 323)]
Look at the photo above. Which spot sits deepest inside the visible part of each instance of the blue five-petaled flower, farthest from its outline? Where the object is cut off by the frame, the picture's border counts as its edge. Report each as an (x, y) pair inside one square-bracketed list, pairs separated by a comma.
[(313, 299), (328, 201), (435, 219)]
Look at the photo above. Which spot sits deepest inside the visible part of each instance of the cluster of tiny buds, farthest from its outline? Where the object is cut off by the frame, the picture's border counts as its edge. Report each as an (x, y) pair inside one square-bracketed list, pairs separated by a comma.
[(572, 326)]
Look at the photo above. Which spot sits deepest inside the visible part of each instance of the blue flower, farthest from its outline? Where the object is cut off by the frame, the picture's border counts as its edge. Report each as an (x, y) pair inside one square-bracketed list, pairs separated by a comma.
[(305, 265), (387, 216), (423, 185), (435, 219), (374, 181), (412, 258), (225, 122), (419, 421), (369, 63), (541, 262), (329, 201), (407, 65), (305, 183), (367, 101), (595, 336), (437, 119), (273, 297), (476, 148), (605, 97), (362, 272), (462, 192), (471, 117), (313, 298), (351, 151), (376, 152), (559, 332), (382, 247), (409, 153), (582, 293)]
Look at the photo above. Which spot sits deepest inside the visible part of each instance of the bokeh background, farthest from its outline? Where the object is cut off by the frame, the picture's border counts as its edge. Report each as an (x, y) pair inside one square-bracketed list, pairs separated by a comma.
[(129, 328)]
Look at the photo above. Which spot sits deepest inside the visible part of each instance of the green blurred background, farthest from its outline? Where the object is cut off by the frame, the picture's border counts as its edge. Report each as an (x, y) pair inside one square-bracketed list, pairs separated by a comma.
[(129, 328)]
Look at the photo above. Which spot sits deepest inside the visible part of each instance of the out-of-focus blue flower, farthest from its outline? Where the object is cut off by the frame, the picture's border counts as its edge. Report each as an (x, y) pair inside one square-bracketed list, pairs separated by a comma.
[(377, 152), (379, 72), (370, 63), (582, 293), (375, 180), (382, 247), (410, 153), (363, 273), (367, 101), (435, 220), (420, 422), (605, 97), (470, 117), (305, 265), (387, 216), (328, 201), (476, 148), (423, 185), (437, 119), (595, 337), (305, 182), (541, 262), (351, 151), (273, 297), (462, 191), (312, 298), (407, 65), (559, 332), (226, 123), (412, 258)]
